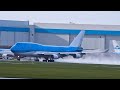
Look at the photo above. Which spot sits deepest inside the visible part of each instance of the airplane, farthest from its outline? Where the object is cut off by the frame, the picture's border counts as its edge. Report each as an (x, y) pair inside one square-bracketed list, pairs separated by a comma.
[(50, 52), (6, 53), (116, 47)]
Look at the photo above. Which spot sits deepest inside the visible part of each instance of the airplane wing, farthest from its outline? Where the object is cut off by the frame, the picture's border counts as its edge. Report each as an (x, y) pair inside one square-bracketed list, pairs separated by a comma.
[(51, 53), (67, 53), (56, 55)]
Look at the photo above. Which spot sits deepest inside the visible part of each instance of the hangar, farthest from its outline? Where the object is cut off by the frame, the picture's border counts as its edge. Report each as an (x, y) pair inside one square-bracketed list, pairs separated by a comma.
[(96, 36)]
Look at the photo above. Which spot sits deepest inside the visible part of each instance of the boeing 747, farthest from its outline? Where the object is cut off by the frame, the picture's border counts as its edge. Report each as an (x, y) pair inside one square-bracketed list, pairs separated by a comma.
[(50, 52)]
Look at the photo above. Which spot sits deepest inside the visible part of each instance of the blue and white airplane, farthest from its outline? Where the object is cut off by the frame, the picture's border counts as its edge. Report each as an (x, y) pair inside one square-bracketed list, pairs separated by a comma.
[(50, 52), (6, 53), (116, 47)]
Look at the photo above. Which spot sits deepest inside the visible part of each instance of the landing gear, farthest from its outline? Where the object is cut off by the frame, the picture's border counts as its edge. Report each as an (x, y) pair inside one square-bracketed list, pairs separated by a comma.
[(18, 58), (44, 60), (37, 59), (48, 59)]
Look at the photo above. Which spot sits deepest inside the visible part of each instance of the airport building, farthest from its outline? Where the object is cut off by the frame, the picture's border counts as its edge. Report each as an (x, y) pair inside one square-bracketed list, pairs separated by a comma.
[(96, 36)]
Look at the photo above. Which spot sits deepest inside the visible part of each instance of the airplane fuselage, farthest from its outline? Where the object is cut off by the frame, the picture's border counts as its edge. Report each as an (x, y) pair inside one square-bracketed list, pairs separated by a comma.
[(30, 47)]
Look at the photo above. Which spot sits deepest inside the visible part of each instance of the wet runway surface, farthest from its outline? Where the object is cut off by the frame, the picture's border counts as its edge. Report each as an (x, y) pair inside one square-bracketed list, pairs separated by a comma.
[(98, 58)]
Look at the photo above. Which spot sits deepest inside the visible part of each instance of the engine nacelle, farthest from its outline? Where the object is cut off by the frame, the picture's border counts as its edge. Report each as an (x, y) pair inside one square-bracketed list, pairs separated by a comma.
[(4, 56), (77, 55), (55, 56)]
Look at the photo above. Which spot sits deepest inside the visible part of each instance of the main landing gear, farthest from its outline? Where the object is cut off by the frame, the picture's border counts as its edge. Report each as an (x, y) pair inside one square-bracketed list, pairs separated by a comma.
[(37, 60), (18, 58), (48, 59)]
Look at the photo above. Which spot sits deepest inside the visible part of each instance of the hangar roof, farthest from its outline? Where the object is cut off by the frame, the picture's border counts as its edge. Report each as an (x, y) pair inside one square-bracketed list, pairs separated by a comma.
[(77, 26), (13, 23)]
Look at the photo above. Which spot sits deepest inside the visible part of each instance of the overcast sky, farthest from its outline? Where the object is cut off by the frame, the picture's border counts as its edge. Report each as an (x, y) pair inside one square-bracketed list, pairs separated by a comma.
[(79, 17)]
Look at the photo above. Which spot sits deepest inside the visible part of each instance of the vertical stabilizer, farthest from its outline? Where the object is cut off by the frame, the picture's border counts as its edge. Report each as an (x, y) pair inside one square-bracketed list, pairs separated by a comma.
[(78, 39), (116, 46)]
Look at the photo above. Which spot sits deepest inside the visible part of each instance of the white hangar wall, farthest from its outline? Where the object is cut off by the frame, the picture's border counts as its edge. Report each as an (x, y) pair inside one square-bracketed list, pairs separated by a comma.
[(52, 39), (13, 31), (91, 41), (10, 38)]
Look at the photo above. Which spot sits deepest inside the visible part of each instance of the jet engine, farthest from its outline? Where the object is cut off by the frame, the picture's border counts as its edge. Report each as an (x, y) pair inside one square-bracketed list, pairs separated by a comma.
[(4, 56), (77, 55), (55, 56)]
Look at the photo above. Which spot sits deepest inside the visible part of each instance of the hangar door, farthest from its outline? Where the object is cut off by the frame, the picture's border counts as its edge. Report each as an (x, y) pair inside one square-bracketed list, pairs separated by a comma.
[(91, 41), (52, 39), (6, 38), (21, 37)]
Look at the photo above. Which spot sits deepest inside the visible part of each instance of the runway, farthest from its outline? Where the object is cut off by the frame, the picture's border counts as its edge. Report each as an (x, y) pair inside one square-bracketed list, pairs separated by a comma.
[(12, 78)]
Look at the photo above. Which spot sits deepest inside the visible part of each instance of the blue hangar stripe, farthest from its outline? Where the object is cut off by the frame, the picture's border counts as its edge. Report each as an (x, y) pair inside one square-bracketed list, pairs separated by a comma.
[(71, 31), (60, 31), (14, 29)]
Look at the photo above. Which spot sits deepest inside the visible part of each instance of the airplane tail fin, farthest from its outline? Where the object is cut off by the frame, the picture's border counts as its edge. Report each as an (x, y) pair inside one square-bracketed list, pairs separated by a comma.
[(78, 39), (116, 46)]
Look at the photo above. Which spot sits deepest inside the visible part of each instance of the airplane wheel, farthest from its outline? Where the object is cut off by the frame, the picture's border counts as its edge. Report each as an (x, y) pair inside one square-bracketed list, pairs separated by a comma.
[(18, 59), (37, 60), (50, 60), (44, 60)]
